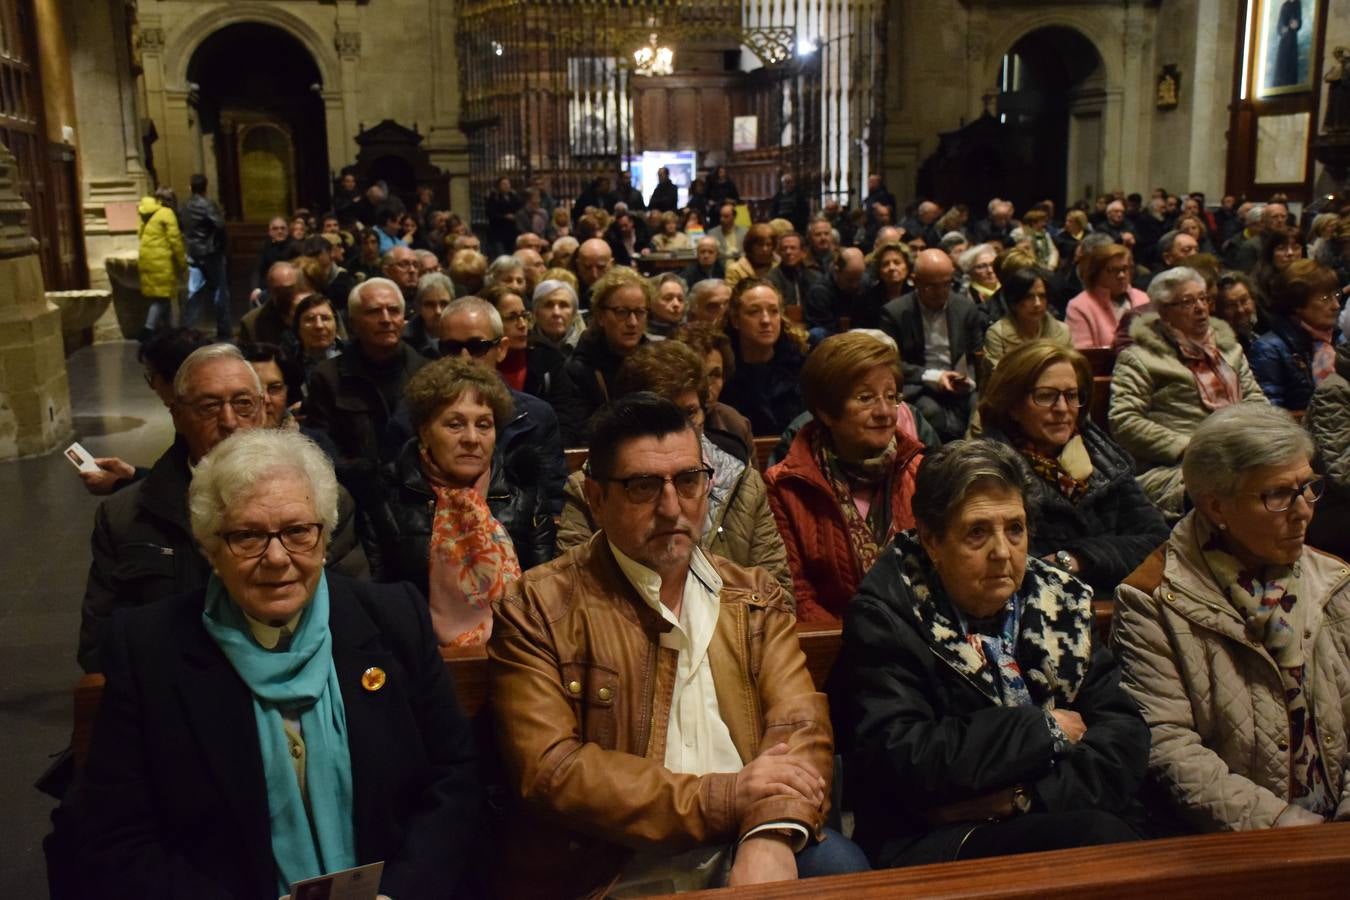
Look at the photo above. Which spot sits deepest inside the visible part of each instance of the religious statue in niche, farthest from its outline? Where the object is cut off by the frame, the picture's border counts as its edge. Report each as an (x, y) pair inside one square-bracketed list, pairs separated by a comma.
[(1169, 87), (1338, 94)]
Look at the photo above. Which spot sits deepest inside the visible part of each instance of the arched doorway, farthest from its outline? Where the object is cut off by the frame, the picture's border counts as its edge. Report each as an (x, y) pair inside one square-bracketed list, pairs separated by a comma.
[(257, 94), (1051, 99)]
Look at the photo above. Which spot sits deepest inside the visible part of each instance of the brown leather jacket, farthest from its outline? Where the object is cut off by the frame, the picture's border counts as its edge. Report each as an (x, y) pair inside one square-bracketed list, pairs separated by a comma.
[(581, 693)]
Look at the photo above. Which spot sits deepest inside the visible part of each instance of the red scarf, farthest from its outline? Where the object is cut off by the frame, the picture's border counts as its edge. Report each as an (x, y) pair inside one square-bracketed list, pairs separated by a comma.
[(513, 369), (1215, 379)]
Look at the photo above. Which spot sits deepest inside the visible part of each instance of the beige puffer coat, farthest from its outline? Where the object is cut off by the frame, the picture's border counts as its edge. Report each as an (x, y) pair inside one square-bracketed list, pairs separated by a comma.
[(743, 528), (1155, 404), (1214, 700)]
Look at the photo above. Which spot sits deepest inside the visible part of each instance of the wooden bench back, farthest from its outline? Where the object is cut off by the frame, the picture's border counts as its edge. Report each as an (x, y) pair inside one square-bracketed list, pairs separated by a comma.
[(468, 670)]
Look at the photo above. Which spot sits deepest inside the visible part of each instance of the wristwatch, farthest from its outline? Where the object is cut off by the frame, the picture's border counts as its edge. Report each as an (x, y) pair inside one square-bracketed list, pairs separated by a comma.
[(1064, 559), (1021, 800)]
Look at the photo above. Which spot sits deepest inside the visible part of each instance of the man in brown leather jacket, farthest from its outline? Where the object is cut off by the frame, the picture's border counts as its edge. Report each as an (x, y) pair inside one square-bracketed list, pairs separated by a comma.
[(653, 710)]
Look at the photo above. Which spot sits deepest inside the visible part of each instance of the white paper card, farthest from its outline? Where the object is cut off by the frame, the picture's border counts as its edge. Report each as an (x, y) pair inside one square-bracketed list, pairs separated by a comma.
[(81, 458), (361, 883)]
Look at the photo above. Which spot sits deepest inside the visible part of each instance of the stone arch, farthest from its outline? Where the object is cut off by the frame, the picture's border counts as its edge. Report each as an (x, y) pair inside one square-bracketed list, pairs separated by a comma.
[(179, 47), (1019, 27)]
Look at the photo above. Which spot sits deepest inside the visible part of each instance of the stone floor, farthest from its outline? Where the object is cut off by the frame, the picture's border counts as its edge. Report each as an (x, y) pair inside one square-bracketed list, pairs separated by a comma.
[(45, 520)]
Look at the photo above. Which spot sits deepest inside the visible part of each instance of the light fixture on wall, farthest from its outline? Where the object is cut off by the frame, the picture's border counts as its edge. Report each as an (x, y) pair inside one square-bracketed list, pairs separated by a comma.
[(653, 59)]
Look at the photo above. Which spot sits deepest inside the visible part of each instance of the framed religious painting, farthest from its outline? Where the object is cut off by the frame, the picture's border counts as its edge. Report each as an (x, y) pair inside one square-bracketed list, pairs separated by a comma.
[(1285, 54)]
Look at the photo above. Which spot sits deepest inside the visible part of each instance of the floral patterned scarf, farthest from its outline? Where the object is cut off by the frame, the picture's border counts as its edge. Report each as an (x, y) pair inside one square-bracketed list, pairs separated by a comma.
[(1323, 351), (472, 559), (1070, 472), (875, 474), (1266, 602), (1215, 379)]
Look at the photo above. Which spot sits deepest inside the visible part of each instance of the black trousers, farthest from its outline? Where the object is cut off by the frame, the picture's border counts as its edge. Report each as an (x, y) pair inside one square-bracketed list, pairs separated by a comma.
[(1031, 833)]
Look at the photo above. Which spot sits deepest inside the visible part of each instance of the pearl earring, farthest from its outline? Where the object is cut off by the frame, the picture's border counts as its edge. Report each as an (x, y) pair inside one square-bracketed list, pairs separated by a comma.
[(1223, 527)]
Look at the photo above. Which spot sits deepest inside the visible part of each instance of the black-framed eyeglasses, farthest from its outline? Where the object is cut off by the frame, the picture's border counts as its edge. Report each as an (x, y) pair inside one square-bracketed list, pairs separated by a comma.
[(623, 313), (513, 318), (1187, 302), (689, 484), (1048, 397), (477, 347), (243, 405), (1282, 499), (250, 544)]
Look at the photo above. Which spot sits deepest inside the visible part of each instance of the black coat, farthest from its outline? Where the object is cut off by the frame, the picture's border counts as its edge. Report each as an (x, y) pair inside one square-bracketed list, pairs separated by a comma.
[(903, 321), (143, 549), (593, 367), (546, 378), (665, 197), (768, 394), (203, 226), (919, 726), (174, 800), (395, 526), (1111, 529), (343, 399)]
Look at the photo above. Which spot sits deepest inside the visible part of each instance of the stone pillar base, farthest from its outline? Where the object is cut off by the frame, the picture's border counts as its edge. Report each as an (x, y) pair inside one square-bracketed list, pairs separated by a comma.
[(34, 391)]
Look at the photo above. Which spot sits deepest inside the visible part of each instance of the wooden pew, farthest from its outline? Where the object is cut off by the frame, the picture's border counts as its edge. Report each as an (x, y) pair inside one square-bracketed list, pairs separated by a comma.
[(1101, 401), (1310, 862), (763, 447), (468, 669)]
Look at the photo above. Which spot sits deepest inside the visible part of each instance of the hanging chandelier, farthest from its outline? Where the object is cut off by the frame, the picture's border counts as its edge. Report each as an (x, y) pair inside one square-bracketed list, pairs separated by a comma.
[(653, 59)]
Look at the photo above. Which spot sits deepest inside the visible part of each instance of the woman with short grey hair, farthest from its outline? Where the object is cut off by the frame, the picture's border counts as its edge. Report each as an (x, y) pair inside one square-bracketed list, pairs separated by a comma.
[(976, 714), (1182, 367), (508, 271), (302, 692), (1232, 637), (557, 321)]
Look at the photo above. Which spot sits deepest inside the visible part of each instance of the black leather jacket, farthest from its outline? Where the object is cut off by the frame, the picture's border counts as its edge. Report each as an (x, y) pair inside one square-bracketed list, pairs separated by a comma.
[(395, 527)]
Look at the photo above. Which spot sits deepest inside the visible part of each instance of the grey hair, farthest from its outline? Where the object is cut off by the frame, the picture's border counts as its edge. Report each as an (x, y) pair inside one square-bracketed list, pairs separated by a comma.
[(208, 354), (1167, 240), (387, 259), (547, 288), (500, 266), (234, 469), (1094, 240), (879, 335), (566, 244), (1165, 285), (702, 290), (476, 306), (1255, 213), (664, 277), (356, 299), (950, 473), (423, 254), (953, 239), (433, 280), (969, 257), (1236, 439)]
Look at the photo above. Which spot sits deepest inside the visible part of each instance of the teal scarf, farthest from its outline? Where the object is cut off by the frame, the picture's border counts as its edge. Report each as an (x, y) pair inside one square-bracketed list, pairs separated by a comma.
[(320, 839)]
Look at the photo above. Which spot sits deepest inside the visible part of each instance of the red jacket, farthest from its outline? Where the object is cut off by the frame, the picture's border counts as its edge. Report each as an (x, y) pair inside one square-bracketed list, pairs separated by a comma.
[(819, 553)]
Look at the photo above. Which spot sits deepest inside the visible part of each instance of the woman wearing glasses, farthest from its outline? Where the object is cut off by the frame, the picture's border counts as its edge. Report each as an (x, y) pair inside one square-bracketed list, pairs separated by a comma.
[(1094, 315), (1182, 367), (844, 488), (1299, 351), (619, 303), (1093, 520), (1232, 638), (448, 515), (279, 723)]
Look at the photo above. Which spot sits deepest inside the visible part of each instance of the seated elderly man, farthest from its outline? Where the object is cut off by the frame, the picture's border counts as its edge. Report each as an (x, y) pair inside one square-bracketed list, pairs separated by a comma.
[(707, 262), (1182, 367), (940, 333), (836, 295), (653, 710), (708, 301), (976, 713), (269, 322), (353, 395), (400, 265), (142, 548)]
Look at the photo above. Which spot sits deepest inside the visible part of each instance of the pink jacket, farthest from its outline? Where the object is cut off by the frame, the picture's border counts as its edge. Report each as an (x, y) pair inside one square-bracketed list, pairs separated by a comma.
[(1092, 317)]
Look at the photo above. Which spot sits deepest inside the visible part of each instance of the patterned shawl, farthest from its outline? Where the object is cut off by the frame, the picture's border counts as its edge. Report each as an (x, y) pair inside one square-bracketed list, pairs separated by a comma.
[(1215, 379), (876, 474), (472, 560)]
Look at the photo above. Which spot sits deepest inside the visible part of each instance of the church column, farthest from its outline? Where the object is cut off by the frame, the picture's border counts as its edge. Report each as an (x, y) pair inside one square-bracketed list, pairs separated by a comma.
[(34, 392), (341, 100), (1136, 102), (446, 145), (150, 39)]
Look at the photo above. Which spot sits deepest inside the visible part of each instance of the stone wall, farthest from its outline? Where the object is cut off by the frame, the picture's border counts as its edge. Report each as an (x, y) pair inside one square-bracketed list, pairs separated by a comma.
[(34, 393)]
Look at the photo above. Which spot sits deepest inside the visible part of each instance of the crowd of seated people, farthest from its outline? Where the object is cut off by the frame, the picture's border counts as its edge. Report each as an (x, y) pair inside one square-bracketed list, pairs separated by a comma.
[(366, 480)]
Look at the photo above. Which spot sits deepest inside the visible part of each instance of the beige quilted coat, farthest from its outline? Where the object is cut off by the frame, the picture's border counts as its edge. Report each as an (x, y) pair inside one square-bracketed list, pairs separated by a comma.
[(1213, 699), (1155, 405)]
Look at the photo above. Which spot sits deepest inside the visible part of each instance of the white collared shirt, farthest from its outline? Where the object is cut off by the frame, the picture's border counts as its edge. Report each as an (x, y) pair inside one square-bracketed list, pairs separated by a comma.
[(697, 740)]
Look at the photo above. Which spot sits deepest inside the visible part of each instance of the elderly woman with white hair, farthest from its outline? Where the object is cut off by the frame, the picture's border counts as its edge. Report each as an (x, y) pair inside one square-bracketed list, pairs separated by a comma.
[(279, 723), (508, 272), (556, 320), (1182, 367), (1232, 637)]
